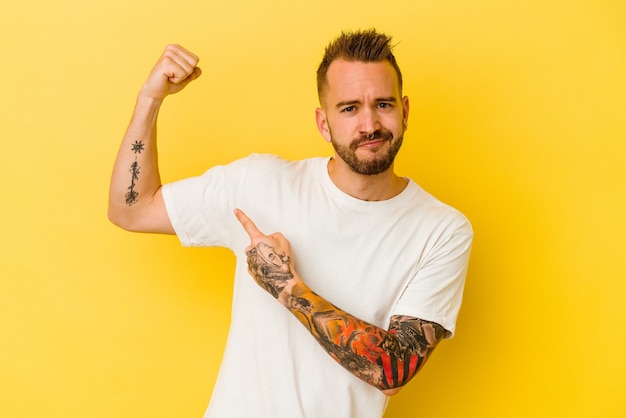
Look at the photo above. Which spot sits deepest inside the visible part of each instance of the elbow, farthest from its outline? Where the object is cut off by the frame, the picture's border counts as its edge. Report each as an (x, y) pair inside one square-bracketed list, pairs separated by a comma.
[(140, 218), (115, 219), (391, 392), (118, 219)]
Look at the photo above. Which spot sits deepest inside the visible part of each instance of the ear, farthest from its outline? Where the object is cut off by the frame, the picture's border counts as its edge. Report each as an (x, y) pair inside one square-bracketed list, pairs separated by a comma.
[(405, 112), (322, 123)]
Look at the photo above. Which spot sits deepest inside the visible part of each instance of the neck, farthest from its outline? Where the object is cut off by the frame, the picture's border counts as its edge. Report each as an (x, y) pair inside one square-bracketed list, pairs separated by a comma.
[(374, 187)]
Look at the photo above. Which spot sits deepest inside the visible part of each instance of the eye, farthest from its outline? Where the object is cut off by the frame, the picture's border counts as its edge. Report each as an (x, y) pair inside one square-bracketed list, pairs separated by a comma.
[(348, 109), (384, 105)]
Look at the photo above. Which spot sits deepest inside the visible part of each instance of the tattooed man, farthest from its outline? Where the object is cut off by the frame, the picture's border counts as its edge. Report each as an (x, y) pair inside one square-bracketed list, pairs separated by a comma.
[(381, 264)]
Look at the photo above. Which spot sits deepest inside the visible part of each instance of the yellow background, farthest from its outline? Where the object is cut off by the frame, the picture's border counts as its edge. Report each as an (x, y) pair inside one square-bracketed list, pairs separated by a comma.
[(517, 119)]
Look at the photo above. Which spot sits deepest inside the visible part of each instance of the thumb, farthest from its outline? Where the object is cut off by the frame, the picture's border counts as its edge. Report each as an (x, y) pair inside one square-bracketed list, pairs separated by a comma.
[(179, 83), (176, 79)]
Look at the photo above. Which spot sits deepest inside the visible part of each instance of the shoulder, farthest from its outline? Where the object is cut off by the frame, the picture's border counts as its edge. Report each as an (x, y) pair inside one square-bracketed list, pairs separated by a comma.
[(270, 164), (271, 160), (439, 214)]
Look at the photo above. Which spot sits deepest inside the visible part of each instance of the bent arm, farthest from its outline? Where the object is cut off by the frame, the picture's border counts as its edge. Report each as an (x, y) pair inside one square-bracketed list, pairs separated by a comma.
[(386, 359), (135, 199)]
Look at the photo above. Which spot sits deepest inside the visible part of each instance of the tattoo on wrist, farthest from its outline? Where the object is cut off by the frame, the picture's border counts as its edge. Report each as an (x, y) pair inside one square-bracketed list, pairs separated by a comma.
[(132, 194)]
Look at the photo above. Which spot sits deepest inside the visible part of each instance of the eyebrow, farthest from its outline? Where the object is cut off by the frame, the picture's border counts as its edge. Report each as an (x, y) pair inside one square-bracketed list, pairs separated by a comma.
[(354, 102)]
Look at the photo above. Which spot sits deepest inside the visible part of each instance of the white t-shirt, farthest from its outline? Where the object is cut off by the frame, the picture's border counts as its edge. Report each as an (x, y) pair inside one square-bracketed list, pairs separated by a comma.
[(403, 256)]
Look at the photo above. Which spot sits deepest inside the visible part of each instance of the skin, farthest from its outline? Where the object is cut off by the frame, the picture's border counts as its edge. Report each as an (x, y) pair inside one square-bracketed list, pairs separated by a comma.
[(135, 199), (362, 113), (363, 99)]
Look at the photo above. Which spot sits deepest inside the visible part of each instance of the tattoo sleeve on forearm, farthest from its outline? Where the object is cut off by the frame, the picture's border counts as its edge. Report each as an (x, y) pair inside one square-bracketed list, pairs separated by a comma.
[(132, 194), (383, 358)]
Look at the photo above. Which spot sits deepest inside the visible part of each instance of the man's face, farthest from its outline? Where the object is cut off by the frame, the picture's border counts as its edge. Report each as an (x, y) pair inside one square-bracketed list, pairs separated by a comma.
[(363, 114)]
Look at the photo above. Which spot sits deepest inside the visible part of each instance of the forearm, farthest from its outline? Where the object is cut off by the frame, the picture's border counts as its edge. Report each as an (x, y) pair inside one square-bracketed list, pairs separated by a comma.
[(386, 359), (135, 178), (135, 201)]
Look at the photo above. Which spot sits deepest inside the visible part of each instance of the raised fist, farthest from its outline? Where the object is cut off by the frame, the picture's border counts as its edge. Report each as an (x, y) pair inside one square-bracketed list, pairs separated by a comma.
[(176, 68)]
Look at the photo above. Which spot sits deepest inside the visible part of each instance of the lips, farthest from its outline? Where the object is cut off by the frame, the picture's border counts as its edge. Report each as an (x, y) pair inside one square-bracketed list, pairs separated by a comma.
[(371, 141)]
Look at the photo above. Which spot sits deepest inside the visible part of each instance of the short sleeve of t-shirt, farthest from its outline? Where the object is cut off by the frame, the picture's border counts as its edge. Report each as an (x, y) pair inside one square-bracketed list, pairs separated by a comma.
[(436, 291), (201, 208)]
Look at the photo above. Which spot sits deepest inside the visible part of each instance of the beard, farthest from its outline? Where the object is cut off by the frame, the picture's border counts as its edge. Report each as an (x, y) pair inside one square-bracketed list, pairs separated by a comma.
[(377, 165)]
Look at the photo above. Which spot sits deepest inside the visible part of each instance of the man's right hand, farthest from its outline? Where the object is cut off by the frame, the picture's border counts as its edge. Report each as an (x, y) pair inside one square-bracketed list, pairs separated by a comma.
[(135, 197), (176, 68)]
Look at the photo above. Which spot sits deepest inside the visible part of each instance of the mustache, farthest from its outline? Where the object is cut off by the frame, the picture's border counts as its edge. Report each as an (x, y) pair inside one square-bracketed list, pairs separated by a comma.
[(376, 135)]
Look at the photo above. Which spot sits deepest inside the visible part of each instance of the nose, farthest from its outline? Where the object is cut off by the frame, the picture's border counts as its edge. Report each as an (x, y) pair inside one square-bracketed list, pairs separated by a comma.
[(369, 122)]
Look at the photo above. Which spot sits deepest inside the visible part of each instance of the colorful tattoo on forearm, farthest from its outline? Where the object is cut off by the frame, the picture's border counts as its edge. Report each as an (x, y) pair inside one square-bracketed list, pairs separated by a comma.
[(384, 358), (132, 194)]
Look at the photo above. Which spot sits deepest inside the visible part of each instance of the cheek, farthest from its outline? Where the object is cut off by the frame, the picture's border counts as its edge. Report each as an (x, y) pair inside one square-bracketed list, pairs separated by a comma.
[(341, 129), (395, 123)]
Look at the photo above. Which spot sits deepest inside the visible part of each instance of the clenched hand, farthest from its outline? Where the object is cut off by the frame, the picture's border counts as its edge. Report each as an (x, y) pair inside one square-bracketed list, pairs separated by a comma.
[(176, 68)]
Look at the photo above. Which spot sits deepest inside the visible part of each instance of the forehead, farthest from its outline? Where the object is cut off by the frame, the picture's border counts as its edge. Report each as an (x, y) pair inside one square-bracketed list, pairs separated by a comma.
[(354, 79)]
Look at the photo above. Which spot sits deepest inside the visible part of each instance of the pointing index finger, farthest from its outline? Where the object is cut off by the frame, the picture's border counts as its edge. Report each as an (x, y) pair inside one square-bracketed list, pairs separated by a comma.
[(249, 226)]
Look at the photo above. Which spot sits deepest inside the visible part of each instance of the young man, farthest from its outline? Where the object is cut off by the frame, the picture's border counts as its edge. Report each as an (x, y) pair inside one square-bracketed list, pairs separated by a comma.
[(381, 264)]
